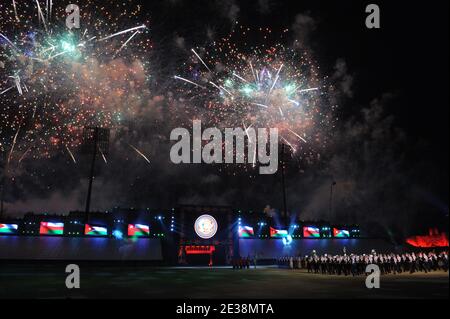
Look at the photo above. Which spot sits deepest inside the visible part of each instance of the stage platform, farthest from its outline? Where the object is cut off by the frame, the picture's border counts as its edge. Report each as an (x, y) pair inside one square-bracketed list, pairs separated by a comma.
[(36, 248), (79, 248)]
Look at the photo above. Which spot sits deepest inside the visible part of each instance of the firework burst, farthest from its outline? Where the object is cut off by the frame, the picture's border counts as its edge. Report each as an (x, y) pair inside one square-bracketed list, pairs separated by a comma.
[(232, 83), (54, 80)]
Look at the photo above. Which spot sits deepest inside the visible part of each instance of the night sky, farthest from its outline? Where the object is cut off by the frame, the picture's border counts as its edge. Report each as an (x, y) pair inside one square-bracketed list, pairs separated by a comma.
[(388, 154)]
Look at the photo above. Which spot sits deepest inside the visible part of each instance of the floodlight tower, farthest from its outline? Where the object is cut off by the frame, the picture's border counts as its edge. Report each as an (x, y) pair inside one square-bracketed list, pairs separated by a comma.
[(94, 138), (3, 183), (283, 184), (332, 185)]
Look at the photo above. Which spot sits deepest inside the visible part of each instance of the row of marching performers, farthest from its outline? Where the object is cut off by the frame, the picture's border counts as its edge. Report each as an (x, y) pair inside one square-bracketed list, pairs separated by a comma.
[(354, 264)]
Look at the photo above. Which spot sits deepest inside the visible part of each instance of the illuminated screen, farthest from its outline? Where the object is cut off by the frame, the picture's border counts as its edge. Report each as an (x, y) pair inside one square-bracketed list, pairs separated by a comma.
[(8, 228), (341, 233), (246, 232), (278, 233), (311, 232), (47, 228), (95, 230), (138, 230)]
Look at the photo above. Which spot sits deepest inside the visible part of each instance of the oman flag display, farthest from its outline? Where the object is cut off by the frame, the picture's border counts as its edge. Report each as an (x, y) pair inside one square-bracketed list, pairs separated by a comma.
[(246, 232), (138, 230), (311, 232), (47, 228), (278, 233)]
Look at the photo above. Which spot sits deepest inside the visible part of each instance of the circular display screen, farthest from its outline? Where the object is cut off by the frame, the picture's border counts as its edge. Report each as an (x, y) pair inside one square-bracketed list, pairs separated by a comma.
[(205, 226)]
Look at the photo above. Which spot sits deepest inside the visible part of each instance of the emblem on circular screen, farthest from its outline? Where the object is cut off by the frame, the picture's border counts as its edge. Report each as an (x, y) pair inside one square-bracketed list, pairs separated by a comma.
[(205, 226)]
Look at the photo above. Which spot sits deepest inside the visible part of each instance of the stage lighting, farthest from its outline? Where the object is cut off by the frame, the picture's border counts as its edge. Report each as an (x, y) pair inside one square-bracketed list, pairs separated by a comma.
[(287, 240), (117, 234)]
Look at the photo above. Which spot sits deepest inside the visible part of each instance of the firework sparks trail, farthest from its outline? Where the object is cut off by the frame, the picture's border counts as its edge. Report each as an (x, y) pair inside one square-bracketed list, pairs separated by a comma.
[(41, 15), (201, 60), (240, 77), (19, 87), (215, 85), (308, 90), (250, 141), (176, 77), (261, 105), (9, 41), (103, 155), (17, 82), (253, 72), (226, 90), (57, 55), (276, 80), (15, 10), (246, 132), (301, 138), (122, 32), (71, 154), (290, 145), (220, 88), (13, 145), (8, 89), (24, 154), (294, 102), (49, 5), (125, 43), (34, 111), (140, 153)]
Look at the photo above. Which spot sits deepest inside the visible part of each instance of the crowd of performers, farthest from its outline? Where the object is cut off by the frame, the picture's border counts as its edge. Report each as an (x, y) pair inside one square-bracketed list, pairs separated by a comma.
[(243, 263), (353, 264)]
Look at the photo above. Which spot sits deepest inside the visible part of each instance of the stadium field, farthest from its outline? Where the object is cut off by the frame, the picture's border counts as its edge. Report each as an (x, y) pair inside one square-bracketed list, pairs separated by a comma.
[(114, 281)]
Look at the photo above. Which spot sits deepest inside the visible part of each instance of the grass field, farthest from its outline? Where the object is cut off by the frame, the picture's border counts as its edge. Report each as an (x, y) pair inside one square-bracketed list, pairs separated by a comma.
[(100, 281)]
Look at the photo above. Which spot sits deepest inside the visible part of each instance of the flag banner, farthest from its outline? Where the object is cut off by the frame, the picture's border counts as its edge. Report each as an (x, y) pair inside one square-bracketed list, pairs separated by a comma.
[(138, 230), (95, 230), (47, 228), (341, 233), (278, 233), (8, 228), (311, 232), (246, 232)]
